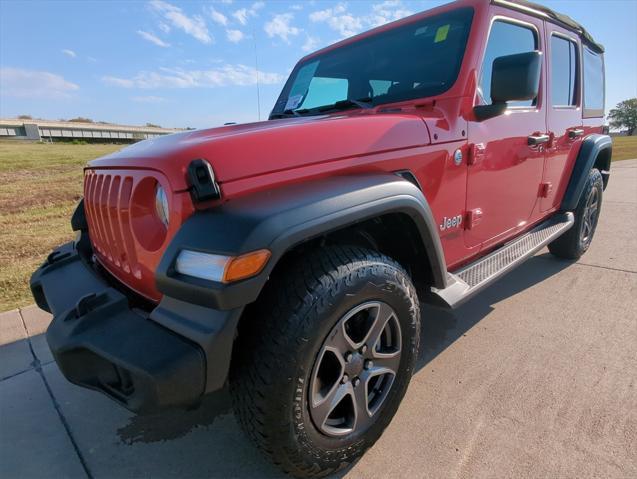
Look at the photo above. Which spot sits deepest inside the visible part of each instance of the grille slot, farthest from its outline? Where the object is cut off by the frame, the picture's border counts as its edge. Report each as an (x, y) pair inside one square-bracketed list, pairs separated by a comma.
[(107, 203), (127, 233), (102, 202), (113, 206), (94, 226)]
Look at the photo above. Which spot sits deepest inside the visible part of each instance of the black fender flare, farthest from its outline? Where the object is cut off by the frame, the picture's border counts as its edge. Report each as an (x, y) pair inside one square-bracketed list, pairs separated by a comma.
[(592, 147), (282, 218)]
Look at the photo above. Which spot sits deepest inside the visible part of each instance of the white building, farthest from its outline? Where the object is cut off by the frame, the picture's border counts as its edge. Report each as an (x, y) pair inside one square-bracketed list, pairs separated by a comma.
[(21, 129)]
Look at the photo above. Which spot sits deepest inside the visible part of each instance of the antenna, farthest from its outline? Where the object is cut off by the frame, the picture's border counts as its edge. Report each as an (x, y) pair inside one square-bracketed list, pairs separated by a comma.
[(256, 67)]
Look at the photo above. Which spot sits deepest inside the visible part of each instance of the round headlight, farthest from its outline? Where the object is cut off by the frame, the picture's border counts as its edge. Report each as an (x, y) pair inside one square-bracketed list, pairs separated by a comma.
[(161, 205)]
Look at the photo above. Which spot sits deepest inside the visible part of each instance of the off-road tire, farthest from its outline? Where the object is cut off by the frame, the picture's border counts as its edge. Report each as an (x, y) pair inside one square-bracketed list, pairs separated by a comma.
[(277, 347), (574, 243)]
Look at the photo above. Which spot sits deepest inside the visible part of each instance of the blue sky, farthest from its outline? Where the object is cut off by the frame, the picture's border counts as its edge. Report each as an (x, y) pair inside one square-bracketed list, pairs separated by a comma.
[(193, 64)]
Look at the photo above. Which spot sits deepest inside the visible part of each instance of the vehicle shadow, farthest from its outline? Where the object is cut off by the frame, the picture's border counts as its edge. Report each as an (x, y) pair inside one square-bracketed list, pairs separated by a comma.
[(207, 442), (177, 423), (440, 328)]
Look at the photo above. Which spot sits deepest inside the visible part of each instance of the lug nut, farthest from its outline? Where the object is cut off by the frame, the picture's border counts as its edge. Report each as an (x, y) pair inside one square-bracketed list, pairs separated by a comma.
[(348, 357), (356, 382), (344, 379), (369, 364), (364, 349)]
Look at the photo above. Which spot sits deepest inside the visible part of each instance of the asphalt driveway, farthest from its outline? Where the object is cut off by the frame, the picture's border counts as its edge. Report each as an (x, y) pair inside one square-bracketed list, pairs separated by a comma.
[(537, 377)]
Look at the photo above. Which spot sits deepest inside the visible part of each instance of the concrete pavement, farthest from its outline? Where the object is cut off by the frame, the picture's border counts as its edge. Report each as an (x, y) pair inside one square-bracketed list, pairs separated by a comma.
[(534, 378)]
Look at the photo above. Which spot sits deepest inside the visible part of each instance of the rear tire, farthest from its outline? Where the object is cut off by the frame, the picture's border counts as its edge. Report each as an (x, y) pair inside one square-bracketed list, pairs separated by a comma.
[(306, 363), (574, 243)]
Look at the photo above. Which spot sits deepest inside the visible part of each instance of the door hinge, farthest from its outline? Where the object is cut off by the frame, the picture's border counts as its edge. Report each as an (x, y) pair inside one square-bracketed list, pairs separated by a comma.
[(476, 153), (473, 218), (545, 189)]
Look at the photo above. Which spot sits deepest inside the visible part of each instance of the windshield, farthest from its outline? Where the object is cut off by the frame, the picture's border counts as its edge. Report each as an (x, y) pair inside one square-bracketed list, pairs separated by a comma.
[(417, 60)]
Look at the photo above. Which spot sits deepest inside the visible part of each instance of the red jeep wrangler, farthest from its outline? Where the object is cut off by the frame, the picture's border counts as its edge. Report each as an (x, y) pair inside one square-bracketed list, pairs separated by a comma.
[(415, 163)]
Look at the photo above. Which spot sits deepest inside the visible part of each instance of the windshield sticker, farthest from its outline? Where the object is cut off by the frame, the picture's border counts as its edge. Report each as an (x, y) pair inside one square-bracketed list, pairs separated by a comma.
[(303, 79), (293, 102), (441, 33), (420, 31)]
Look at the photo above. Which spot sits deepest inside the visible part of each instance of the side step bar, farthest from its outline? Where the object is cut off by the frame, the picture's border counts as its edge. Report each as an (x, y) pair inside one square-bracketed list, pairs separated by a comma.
[(469, 280)]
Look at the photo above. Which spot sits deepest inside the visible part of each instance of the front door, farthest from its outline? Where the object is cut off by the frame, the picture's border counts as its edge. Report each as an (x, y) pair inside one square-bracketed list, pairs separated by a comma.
[(507, 156)]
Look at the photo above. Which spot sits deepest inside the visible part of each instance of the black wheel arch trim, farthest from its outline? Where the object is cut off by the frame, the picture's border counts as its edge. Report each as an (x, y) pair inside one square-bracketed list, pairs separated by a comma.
[(78, 219), (592, 147), (285, 217)]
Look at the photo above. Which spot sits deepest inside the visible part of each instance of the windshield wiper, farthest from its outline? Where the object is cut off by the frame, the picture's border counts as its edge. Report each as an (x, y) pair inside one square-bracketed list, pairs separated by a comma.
[(286, 114), (364, 103), (344, 104)]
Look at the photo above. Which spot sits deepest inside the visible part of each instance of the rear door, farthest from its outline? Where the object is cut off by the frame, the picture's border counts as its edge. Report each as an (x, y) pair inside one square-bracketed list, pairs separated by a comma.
[(564, 113), (505, 172)]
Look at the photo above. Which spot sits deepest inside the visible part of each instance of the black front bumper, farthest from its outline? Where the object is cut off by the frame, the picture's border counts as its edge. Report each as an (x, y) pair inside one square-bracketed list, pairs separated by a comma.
[(146, 361)]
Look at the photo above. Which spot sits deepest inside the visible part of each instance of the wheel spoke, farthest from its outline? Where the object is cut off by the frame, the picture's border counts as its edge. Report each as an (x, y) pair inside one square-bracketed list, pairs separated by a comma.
[(384, 363), (380, 375), (323, 409), (316, 384), (339, 340), (384, 313), (361, 411)]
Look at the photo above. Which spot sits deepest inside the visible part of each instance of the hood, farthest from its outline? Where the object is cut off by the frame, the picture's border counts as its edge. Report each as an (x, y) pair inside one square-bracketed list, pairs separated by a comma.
[(241, 151)]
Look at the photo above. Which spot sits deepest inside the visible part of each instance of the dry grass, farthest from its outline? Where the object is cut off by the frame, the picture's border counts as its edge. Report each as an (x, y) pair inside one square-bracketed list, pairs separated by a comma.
[(40, 185), (624, 148)]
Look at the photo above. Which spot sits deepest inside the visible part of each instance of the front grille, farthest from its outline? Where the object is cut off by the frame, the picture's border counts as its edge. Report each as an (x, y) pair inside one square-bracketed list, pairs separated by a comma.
[(107, 200)]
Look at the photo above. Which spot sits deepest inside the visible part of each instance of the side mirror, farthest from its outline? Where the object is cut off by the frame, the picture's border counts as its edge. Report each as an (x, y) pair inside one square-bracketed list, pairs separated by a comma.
[(514, 78)]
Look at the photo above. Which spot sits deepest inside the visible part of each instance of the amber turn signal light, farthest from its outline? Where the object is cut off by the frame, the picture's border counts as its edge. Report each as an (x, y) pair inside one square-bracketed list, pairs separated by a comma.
[(245, 266), (220, 268)]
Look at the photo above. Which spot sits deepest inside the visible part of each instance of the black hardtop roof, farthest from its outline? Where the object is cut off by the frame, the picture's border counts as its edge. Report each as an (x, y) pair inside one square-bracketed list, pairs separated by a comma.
[(559, 18)]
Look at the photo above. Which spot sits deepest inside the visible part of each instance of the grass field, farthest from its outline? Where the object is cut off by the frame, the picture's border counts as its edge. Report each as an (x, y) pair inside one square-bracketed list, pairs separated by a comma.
[(624, 148), (40, 184)]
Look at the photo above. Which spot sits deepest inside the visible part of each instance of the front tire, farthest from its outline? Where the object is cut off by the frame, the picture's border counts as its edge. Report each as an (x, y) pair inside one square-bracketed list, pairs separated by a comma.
[(576, 241), (325, 360)]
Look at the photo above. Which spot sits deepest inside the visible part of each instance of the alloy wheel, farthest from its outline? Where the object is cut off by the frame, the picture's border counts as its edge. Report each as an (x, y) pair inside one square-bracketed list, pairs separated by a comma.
[(590, 217), (355, 369)]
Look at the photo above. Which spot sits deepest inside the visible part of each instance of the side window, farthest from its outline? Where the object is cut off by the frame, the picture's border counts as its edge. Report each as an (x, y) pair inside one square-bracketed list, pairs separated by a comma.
[(563, 72), (593, 84), (325, 91), (505, 38)]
